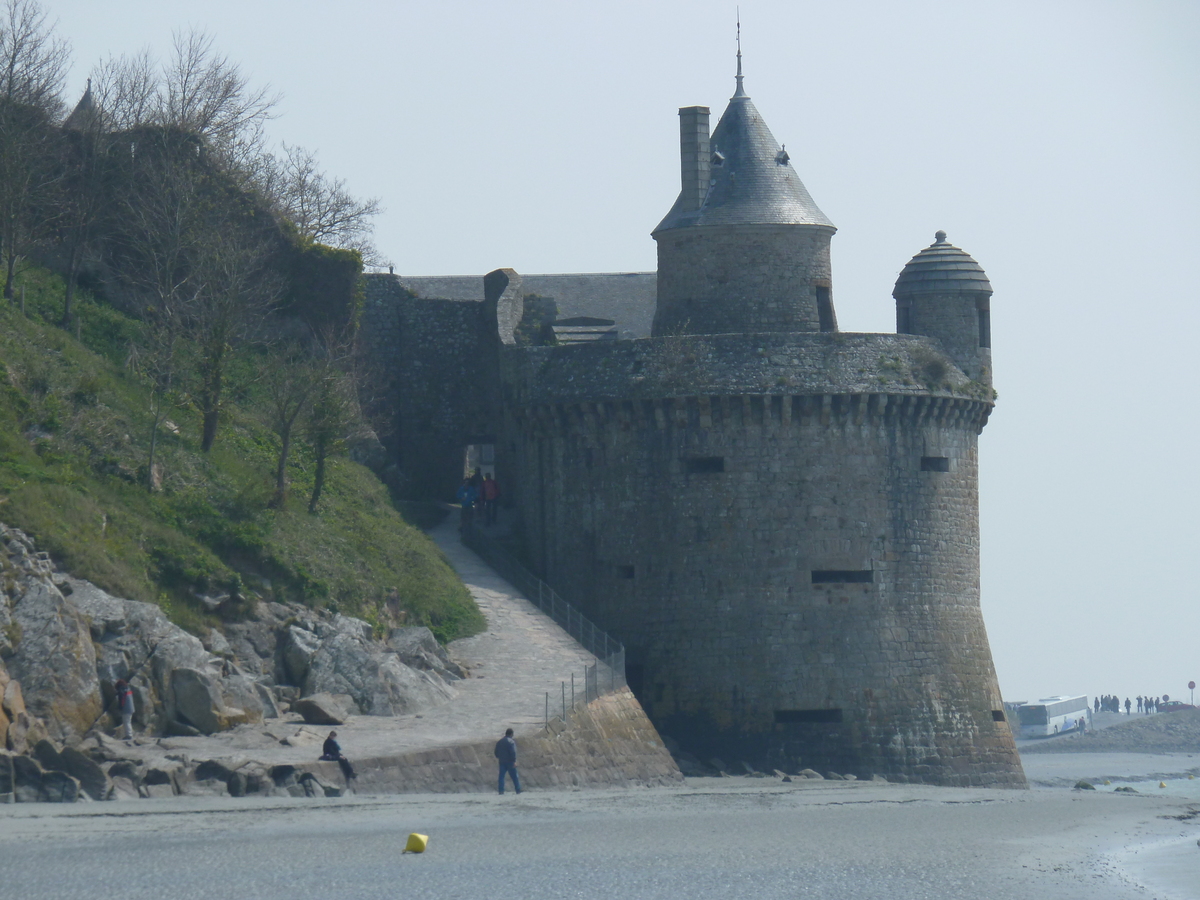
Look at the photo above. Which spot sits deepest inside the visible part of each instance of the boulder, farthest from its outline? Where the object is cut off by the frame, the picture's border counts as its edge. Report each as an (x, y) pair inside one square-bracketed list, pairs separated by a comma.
[(123, 789), (417, 648), (27, 779), (348, 662), (59, 787), (197, 699), (92, 779), (13, 700), (126, 768), (158, 791), (323, 709), (24, 732), (6, 777), (299, 647), (812, 773), (55, 661), (46, 754)]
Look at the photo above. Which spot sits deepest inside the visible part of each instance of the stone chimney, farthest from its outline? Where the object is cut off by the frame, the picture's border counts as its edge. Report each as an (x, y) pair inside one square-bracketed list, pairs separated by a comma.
[(694, 155)]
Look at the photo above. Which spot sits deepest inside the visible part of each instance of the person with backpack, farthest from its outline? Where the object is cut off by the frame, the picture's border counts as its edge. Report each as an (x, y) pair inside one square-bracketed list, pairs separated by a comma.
[(125, 707), (506, 753), (467, 497)]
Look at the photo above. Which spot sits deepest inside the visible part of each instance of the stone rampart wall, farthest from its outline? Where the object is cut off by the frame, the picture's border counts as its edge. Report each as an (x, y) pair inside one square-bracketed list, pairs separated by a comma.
[(434, 363), (772, 560), (608, 743), (735, 364)]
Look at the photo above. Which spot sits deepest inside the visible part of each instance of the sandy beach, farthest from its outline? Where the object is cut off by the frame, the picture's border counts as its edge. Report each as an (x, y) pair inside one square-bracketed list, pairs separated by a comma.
[(711, 837)]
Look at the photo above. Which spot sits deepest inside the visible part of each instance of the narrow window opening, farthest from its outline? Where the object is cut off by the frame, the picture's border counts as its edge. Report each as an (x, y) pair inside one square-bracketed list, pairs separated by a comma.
[(998, 715), (935, 464), (985, 327), (842, 576), (718, 158), (807, 716), (704, 465), (825, 317), (903, 318), (625, 572)]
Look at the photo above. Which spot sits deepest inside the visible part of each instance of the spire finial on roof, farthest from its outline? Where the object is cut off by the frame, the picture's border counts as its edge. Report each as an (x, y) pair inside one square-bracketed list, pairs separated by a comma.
[(740, 92), (940, 237)]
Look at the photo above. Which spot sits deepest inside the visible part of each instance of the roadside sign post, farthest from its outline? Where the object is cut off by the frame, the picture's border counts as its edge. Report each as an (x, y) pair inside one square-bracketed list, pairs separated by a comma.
[(1192, 688)]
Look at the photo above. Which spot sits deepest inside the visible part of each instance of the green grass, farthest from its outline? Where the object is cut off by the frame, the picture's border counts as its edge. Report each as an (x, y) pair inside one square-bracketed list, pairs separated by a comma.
[(74, 438)]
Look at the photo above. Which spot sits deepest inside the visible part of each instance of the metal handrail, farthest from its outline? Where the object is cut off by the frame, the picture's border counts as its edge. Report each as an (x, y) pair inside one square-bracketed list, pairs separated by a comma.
[(608, 650)]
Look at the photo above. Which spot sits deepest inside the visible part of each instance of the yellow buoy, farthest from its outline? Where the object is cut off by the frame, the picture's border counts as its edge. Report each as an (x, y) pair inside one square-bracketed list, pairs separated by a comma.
[(416, 843), (1162, 784), (1191, 778), (1106, 781)]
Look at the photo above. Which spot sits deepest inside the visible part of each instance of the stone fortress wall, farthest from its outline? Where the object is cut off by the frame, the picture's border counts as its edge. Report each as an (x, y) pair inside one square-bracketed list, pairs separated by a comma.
[(778, 520)]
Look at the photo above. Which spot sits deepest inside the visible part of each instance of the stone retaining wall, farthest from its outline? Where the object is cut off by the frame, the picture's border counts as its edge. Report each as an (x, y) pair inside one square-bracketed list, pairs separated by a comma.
[(609, 742)]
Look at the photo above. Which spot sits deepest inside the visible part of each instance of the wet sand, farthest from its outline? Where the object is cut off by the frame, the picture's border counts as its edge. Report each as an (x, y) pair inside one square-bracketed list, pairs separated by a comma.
[(716, 837)]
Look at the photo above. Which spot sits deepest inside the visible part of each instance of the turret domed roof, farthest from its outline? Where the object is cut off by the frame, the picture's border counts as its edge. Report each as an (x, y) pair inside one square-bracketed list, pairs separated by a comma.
[(753, 182), (941, 267)]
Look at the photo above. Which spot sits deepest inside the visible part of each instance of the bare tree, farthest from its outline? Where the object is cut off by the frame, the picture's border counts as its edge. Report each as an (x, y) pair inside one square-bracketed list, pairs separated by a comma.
[(236, 293), (126, 90), (155, 360), (333, 409), (292, 376), (319, 206), (34, 61), (33, 64), (205, 94)]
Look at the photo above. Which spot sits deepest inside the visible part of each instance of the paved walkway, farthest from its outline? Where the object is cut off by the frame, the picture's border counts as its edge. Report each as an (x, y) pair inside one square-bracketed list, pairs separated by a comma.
[(523, 655)]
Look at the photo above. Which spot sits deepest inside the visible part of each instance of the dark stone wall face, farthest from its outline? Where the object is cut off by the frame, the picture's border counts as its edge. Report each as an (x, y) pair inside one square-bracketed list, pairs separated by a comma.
[(436, 382), (775, 561), (747, 279), (954, 319)]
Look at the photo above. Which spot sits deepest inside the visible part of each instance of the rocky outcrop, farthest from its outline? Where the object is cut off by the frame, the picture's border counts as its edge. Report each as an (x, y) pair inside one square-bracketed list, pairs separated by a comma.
[(64, 643), (347, 661)]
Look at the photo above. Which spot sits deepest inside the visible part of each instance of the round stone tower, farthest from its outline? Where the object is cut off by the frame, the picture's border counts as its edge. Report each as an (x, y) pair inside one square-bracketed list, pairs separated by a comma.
[(944, 293), (780, 524), (744, 249)]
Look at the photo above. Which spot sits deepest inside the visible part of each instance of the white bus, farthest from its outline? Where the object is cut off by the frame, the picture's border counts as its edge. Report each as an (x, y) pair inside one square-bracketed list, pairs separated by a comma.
[(1053, 715)]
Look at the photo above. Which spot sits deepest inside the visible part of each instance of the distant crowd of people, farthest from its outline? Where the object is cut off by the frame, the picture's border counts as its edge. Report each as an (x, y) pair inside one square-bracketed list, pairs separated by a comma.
[(1112, 703), (478, 495)]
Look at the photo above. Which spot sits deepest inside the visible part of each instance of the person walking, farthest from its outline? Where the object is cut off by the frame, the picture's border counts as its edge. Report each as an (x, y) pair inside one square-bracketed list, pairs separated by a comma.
[(1127, 705), (491, 494), (467, 496), (125, 707), (506, 753)]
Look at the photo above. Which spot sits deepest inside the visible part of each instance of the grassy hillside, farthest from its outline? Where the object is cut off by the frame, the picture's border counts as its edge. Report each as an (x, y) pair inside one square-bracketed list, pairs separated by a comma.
[(74, 438)]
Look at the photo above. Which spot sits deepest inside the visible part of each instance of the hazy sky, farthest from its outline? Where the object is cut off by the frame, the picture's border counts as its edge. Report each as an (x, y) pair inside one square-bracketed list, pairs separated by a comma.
[(1058, 143)]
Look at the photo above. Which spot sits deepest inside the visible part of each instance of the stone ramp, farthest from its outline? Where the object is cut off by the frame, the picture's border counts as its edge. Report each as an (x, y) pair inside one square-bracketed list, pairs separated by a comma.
[(522, 656)]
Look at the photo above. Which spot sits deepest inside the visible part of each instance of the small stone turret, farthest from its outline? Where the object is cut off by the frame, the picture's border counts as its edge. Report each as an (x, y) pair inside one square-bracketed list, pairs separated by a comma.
[(943, 293)]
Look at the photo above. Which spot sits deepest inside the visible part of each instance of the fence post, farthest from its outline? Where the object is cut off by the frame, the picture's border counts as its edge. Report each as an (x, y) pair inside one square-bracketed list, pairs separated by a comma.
[(546, 717), (572, 692), (564, 699)]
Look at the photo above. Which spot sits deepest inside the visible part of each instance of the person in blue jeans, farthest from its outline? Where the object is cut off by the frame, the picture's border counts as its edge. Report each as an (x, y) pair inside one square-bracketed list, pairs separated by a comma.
[(506, 752)]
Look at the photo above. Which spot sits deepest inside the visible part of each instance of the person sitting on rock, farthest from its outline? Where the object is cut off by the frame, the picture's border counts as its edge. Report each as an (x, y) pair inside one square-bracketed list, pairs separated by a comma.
[(332, 752)]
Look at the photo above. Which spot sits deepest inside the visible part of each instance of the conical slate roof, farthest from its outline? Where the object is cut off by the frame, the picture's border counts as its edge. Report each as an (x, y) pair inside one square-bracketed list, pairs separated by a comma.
[(753, 182), (85, 113), (941, 267)]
